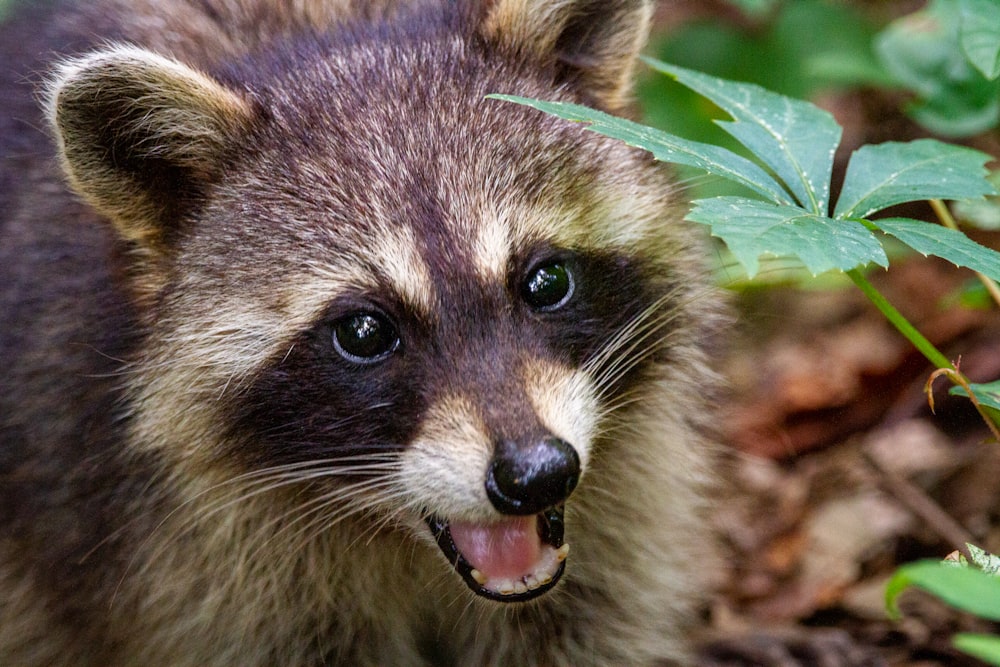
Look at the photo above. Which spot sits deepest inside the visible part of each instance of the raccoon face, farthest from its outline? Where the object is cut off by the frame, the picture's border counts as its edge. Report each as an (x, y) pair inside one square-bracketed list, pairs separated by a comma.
[(365, 282)]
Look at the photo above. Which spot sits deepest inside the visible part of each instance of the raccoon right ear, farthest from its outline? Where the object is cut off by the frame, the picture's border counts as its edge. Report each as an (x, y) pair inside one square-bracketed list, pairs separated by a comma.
[(594, 43), (140, 136)]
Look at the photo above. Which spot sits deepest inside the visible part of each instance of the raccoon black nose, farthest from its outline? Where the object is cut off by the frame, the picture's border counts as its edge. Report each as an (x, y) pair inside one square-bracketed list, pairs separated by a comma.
[(527, 479)]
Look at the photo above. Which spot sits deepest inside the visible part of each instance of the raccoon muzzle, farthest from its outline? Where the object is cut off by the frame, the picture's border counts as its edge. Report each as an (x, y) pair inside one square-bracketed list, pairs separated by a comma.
[(522, 555)]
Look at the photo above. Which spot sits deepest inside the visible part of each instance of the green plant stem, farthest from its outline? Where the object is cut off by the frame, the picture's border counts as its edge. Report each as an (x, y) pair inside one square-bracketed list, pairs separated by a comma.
[(901, 323)]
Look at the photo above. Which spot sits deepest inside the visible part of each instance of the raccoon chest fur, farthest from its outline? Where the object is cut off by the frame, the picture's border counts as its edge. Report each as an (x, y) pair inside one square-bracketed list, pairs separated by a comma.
[(314, 354)]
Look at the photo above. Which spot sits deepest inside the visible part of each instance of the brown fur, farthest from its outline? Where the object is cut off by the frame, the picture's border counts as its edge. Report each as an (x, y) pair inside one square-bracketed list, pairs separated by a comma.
[(190, 476)]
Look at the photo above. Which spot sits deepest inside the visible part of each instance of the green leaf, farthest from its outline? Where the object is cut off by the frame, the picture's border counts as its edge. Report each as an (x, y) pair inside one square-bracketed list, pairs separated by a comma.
[(752, 228), (795, 139), (954, 246), (663, 146), (964, 588), (988, 393), (984, 647), (980, 35), (883, 175)]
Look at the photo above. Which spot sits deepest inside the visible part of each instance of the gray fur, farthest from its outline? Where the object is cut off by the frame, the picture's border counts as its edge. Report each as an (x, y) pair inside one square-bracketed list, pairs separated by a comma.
[(177, 486)]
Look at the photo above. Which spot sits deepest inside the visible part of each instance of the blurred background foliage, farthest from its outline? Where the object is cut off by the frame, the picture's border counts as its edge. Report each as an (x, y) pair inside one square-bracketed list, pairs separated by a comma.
[(888, 70), (803, 48)]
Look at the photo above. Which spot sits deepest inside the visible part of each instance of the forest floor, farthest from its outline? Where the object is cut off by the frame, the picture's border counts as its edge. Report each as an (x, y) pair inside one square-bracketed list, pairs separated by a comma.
[(841, 473)]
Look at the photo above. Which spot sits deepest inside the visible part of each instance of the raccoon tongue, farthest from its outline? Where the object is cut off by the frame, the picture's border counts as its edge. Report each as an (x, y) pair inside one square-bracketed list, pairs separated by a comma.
[(506, 549)]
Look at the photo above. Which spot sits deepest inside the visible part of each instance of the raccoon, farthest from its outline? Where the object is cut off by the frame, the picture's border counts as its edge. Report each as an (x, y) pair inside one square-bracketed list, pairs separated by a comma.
[(315, 354)]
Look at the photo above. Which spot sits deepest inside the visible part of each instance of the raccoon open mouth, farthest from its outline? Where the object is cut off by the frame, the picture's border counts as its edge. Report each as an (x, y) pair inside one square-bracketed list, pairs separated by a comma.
[(512, 560)]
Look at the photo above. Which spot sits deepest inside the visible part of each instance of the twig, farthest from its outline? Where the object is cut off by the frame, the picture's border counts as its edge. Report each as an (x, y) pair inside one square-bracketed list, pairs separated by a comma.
[(918, 502)]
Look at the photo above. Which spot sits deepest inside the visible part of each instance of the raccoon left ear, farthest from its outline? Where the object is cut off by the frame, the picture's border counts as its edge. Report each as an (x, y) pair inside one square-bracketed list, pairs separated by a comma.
[(595, 42), (140, 136)]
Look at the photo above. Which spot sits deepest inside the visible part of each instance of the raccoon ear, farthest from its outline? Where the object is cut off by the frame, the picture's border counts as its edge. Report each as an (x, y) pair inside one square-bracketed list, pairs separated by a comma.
[(140, 136), (595, 42)]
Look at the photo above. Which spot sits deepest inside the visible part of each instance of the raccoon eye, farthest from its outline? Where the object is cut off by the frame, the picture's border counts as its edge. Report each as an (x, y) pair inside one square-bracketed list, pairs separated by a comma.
[(364, 338), (548, 287)]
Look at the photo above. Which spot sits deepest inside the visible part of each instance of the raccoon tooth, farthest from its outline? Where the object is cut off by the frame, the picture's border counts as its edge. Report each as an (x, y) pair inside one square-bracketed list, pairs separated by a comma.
[(520, 587), (562, 552), (480, 578), (505, 587), (531, 581)]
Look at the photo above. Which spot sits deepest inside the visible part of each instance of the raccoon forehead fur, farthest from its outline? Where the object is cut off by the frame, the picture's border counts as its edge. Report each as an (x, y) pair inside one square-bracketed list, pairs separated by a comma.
[(356, 353)]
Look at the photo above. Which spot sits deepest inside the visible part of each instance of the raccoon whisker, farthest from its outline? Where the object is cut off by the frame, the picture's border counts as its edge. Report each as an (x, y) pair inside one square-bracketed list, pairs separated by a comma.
[(692, 181), (246, 486), (285, 427), (639, 330), (222, 392), (323, 523), (242, 495), (318, 505), (261, 482), (346, 493), (125, 369), (305, 471), (212, 508), (338, 495), (385, 520), (639, 324), (441, 587), (345, 466), (639, 335), (109, 357), (438, 586), (602, 490), (481, 619), (621, 403), (402, 505), (613, 374), (241, 378), (265, 484)]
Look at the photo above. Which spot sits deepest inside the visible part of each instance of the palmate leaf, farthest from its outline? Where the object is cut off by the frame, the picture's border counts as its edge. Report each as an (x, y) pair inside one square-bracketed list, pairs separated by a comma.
[(665, 147), (752, 228), (883, 175), (954, 246), (795, 141), (794, 138)]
